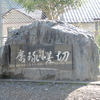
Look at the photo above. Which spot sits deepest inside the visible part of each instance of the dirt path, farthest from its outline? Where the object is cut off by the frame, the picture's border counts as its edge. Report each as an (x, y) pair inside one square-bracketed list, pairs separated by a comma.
[(48, 91)]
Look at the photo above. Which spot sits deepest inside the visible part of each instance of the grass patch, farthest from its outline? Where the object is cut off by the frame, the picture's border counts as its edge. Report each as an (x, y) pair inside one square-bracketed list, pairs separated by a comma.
[(49, 77), (42, 83), (64, 88)]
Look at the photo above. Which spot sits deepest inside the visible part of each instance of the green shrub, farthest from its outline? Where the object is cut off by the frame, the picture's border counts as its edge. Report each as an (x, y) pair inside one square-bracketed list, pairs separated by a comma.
[(97, 38)]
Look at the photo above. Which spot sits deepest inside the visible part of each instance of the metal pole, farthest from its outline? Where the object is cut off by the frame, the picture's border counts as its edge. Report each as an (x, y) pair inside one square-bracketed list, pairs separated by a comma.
[(0, 23)]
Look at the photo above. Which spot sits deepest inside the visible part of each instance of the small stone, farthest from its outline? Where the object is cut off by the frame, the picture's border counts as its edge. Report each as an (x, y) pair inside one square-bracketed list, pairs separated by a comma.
[(46, 89)]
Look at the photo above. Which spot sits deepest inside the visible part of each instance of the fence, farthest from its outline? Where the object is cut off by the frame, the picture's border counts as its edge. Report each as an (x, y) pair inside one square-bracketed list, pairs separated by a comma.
[(14, 16)]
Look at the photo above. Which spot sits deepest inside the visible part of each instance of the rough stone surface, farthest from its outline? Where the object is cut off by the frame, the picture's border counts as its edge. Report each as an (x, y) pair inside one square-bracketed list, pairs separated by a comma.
[(4, 55), (85, 50)]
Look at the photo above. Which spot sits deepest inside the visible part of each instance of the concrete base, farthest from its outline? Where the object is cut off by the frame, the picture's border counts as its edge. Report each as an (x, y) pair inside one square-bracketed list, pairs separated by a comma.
[(41, 73), (45, 74)]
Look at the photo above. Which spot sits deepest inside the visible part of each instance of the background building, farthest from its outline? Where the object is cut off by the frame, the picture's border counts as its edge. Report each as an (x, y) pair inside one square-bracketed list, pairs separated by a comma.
[(86, 16), (14, 16)]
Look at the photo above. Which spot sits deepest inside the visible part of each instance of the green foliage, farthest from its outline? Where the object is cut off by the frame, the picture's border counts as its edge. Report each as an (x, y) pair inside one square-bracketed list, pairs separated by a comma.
[(97, 38), (64, 88), (43, 83), (52, 8)]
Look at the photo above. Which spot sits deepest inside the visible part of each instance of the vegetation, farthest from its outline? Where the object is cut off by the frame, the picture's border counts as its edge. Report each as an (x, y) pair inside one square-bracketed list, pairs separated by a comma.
[(97, 38), (52, 8), (42, 83)]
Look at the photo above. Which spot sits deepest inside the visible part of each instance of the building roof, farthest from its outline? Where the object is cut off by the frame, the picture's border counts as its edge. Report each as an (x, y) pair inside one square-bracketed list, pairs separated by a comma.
[(8, 5), (37, 14), (89, 11)]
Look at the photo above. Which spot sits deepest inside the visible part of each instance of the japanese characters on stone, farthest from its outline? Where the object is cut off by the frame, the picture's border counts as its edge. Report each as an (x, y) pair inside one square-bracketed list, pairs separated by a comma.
[(42, 56)]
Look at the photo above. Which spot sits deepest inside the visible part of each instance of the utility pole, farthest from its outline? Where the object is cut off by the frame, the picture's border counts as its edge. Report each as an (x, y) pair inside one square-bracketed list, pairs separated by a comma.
[(0, 23)]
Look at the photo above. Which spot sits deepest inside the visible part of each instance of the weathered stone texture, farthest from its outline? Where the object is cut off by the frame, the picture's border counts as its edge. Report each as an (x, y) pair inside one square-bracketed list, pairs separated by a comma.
[(85, 50)]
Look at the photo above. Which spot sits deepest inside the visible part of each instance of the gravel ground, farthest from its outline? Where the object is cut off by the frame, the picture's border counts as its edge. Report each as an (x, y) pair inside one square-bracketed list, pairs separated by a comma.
[(48, 91)]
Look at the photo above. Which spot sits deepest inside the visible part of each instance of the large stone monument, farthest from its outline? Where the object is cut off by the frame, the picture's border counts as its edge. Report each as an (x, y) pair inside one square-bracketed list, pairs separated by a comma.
[(51, 36)]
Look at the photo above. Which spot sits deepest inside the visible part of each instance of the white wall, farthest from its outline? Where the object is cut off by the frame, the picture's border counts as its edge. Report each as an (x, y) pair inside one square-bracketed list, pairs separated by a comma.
[(86, 26), (14, 20), (16, 17)]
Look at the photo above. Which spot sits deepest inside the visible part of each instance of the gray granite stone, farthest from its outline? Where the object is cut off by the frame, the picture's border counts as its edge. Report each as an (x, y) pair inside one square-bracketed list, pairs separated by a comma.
[(85, 50)]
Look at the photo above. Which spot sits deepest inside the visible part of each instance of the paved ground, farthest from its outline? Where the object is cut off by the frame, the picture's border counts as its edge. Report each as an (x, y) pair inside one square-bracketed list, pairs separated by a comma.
[(48, 91)]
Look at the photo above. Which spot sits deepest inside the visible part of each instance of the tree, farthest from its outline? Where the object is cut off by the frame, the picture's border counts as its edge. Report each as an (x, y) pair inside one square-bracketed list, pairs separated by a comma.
[(52, 8)]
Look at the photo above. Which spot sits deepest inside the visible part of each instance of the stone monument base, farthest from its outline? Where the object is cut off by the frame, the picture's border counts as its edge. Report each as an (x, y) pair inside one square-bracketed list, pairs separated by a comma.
[(46, 74)]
